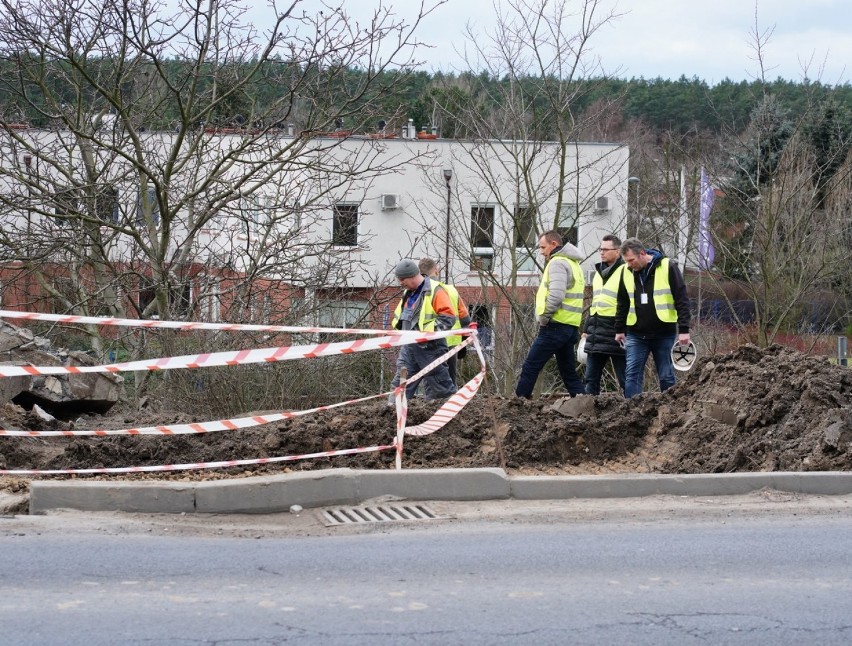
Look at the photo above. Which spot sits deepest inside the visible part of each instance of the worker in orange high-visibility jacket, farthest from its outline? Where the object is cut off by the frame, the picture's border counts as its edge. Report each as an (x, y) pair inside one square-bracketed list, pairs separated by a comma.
[(425, 305)]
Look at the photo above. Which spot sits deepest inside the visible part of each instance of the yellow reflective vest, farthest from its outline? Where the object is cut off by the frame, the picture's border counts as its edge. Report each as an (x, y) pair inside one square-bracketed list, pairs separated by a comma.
[(453, 293), (605, 294), (428, 317), (664, 304), (571, 310)]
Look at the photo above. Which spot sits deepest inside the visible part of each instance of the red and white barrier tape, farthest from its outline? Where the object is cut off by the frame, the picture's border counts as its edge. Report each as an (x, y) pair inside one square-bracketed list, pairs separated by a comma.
[(193, 465), (232, 358), (401, 417), (455, 403), (198, 325), (442, 416), (233, 424)]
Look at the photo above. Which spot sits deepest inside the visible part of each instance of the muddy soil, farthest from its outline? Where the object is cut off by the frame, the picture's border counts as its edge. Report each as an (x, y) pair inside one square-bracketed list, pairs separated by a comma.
[(748, 410)]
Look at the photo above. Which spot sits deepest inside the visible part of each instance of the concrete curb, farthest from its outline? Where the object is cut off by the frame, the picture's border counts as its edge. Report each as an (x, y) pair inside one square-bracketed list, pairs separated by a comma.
[(268, 494)]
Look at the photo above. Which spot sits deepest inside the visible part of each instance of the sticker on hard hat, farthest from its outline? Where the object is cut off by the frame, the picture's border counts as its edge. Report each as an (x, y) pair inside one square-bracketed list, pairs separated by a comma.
[(683, 356)]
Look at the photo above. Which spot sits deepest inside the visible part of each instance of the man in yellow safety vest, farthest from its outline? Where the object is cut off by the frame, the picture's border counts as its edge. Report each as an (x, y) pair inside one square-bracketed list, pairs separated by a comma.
[(559, 309), (425, 305), (429, 268), (652, 314), (599, 330)]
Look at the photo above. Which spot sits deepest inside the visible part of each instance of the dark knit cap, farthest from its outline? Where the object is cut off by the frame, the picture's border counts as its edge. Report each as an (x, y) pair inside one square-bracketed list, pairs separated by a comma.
[(406, 269)]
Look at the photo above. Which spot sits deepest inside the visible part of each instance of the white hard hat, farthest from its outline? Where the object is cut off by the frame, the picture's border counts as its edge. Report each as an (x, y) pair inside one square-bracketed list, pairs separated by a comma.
[(581, 351), (683, 356)]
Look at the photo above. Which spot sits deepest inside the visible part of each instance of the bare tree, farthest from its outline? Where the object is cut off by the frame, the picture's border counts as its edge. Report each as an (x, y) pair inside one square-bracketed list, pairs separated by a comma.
[(780, 228), (523, 117), (158, 159)]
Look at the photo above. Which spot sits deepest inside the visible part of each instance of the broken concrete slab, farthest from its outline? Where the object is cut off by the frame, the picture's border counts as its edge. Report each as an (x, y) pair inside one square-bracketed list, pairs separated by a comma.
[(11, 387), (59, 395), (575, 406)]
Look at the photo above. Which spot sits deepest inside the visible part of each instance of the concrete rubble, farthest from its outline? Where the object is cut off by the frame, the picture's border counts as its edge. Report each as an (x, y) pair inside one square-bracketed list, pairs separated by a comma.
[(57, 395)]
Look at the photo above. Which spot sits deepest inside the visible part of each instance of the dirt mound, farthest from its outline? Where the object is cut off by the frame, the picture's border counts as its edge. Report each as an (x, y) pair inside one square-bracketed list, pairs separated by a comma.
[(749, 410)]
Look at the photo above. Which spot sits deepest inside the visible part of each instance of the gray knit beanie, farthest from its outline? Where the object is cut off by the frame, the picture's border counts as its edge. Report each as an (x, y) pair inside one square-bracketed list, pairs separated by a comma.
[(406, 269)]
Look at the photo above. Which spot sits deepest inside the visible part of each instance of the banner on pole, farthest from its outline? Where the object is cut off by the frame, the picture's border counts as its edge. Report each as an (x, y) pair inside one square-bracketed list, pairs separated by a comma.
[(706, 252)]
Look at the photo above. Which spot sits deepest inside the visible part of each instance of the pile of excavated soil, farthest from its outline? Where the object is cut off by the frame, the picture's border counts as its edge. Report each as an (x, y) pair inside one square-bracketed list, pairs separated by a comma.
[(749, 410)]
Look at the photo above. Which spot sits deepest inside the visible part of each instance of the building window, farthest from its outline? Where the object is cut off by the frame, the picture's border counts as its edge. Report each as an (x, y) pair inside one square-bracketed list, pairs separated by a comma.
[(180, 298), (256, 212), (146, 295), (344, 232), (526, 239), (106, 204), (482, 237), (482, 260), (66, 205), (524, 220), (211, 306), (482, 226), (483, 317), (345, 314), (567, 226), (147, 206)]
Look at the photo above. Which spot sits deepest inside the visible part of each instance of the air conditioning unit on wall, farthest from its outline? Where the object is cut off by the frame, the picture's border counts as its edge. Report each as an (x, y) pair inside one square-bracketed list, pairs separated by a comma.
[(602, 204), (390, 201)]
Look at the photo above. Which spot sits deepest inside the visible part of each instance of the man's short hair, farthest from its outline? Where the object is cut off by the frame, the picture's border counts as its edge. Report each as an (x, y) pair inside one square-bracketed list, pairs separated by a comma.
[(614, 239), (634, 245), (428, 266), (552, 236)]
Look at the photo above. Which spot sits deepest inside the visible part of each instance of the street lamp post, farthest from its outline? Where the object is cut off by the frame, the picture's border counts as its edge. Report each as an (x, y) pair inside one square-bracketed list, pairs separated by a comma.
[(448, 175), (28, 164), (635, 180)]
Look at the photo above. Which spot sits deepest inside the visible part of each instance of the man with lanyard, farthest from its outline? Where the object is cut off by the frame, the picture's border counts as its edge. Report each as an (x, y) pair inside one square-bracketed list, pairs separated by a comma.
[(425, 306), (429, 268), (599, 331), (559, 308), (652, 312)]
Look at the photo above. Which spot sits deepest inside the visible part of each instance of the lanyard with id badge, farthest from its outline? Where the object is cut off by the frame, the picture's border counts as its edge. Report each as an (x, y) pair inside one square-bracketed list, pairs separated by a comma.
[(643, 297)]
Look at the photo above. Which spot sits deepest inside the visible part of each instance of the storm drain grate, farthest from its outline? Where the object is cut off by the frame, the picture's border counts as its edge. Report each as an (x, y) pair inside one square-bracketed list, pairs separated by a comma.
[(379, 514)]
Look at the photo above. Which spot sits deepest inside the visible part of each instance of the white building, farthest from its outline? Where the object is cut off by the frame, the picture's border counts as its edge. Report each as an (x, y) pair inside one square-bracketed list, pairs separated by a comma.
[(286, 203)]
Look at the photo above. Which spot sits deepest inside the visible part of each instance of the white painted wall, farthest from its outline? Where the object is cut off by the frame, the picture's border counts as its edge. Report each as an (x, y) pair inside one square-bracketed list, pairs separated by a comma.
[(412, 169)]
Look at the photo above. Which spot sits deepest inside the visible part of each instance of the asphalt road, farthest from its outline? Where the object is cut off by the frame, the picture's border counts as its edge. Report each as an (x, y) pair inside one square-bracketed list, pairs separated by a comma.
[(727, 571)]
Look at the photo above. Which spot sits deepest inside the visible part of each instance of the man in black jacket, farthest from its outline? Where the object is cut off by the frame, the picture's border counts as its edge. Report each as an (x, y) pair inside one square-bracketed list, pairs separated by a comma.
[(599, 331), (652, 313)]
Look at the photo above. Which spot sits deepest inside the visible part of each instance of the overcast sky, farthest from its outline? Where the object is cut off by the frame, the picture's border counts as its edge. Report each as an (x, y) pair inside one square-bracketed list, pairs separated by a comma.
[(710, 39)]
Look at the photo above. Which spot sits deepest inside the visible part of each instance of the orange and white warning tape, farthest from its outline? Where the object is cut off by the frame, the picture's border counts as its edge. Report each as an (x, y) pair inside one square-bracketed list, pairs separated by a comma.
[(233, 424), (455, 403), (441, 417), (237, 423), (233, 358), (194, 465), (198, 325)]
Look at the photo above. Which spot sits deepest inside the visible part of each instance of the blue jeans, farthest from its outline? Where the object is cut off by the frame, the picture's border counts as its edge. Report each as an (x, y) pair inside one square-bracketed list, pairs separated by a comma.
[(553, 340), (595, 364), (638, 349)]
